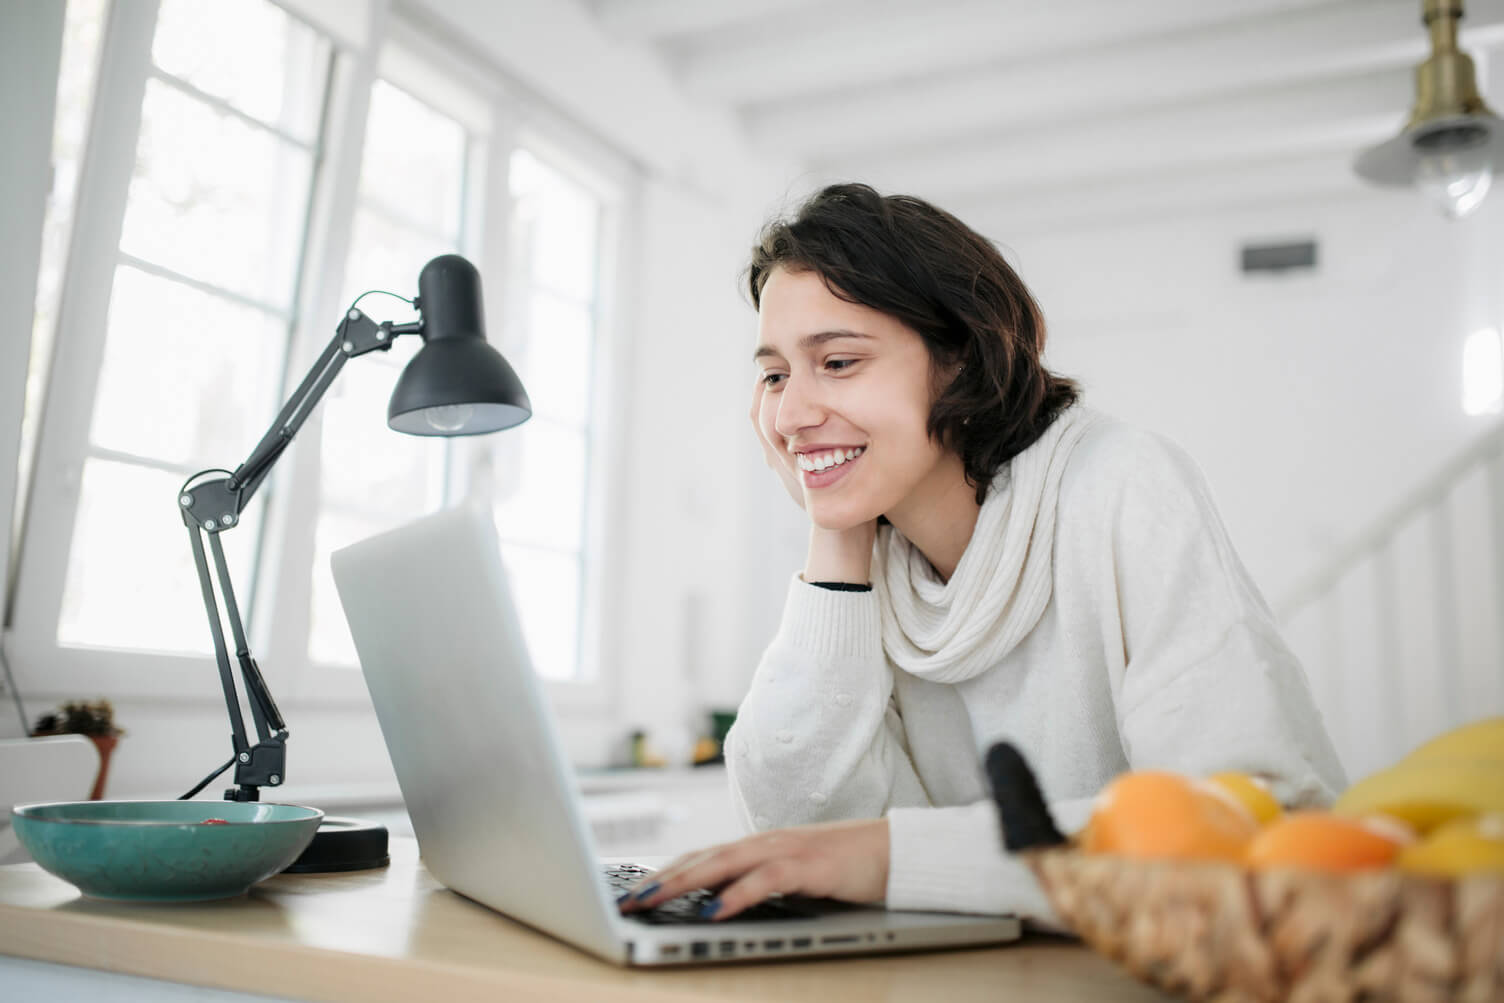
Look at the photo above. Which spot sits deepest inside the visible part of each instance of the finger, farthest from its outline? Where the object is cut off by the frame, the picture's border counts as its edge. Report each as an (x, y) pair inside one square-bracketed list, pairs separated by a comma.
[(783, 876), (713, 868), (660, 886)]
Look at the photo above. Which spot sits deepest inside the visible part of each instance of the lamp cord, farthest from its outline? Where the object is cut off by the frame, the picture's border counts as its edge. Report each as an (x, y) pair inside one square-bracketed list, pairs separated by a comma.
[(378, 292), (208, 780)]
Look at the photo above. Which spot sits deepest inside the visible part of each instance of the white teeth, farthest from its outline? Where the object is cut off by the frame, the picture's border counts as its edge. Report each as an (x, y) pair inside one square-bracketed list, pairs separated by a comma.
[(831, 458)]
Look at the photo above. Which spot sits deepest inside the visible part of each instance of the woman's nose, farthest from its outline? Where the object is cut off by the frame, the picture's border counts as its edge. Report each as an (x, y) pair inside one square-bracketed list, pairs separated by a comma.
[(798, 407)]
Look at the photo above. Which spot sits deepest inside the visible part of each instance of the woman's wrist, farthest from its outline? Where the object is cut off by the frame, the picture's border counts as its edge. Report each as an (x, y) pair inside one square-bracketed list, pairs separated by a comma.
[(840, 555)]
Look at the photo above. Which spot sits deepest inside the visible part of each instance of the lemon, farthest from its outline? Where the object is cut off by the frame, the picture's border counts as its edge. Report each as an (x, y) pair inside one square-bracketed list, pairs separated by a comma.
[(1463, 846), (1250, 792)]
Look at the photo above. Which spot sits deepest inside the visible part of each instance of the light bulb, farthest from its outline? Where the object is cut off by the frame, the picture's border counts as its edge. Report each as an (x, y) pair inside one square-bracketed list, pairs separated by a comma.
[(1455, 171), (448, 417)]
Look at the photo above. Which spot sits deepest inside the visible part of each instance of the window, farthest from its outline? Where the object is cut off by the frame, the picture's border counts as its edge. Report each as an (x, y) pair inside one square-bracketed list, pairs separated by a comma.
[(248, 176), (540, 471), (200, 310), (410, 209)]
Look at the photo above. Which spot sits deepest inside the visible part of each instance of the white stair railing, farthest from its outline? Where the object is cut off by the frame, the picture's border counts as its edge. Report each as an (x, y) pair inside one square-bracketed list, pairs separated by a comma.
[(1402, 631)]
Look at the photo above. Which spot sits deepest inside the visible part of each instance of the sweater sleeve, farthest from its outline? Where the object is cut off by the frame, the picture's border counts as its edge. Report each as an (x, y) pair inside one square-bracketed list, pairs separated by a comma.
[(1208, 682), (953, 860), (818, 737)]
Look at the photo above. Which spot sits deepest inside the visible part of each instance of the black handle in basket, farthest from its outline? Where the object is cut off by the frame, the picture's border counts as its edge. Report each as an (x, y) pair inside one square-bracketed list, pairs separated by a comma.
[(1025, 817)]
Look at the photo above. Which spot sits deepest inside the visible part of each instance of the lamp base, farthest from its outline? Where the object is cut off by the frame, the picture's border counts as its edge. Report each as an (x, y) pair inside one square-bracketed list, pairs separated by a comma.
[(343, 844)]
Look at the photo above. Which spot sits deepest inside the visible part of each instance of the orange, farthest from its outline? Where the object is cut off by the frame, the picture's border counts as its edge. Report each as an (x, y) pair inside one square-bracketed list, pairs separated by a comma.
[(1318, 841), (1150, 813), (1252, 793)]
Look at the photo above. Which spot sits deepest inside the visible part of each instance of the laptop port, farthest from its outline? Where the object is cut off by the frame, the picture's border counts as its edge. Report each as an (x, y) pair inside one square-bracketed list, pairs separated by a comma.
[(700, 948), (847, 939), (669, 950), (772, 945), (728, 947), (802, 942)]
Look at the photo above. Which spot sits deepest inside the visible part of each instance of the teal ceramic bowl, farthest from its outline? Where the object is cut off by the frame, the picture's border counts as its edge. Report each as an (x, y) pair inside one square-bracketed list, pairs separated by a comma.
[(162, 851)]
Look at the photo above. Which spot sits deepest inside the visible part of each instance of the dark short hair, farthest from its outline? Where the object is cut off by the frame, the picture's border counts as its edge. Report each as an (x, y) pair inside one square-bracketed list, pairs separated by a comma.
[(923, 266)]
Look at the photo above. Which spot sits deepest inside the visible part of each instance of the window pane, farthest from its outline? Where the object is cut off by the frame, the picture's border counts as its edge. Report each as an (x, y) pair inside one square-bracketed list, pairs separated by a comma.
[(414, 161), (131, 581), (546, 590), (187, 377), (216, 199), (250, 54), (367, 465), (555, 365), (556, 222), (384, 255), (540, 484)]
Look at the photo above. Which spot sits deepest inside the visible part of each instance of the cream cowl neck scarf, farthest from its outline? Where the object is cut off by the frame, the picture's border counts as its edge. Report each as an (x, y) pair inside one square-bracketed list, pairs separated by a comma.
[(948, 632)]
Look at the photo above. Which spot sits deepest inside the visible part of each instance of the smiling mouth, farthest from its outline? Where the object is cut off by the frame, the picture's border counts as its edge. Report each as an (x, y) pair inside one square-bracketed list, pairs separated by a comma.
[(827, 458)]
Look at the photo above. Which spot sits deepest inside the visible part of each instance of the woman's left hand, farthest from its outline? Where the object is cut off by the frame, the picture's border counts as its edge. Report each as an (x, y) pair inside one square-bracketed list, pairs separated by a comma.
[(839, 860)]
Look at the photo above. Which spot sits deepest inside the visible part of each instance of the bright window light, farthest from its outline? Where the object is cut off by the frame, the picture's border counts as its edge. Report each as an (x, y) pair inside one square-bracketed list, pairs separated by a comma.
[(1483, 373)]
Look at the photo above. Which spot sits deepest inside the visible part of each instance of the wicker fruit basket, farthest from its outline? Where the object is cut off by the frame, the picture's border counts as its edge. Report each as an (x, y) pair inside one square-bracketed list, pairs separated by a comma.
[(1215, 931)]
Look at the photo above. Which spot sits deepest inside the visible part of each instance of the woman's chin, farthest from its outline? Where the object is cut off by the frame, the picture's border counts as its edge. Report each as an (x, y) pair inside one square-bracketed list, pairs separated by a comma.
[(837, 519)]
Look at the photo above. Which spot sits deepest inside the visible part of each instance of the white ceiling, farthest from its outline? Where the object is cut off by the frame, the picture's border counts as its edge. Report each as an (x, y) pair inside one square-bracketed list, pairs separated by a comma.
[(1028, 111)]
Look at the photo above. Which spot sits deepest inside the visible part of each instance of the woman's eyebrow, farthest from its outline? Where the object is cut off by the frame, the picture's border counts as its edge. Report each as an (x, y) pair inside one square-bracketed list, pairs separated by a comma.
[(810, 341)]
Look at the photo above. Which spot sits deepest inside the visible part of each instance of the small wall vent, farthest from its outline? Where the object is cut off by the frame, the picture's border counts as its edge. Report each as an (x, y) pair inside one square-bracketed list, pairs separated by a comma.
[(1284, 257)]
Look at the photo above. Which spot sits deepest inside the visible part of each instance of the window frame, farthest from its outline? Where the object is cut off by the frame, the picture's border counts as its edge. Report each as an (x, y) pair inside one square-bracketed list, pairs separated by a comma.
[(395, 46)]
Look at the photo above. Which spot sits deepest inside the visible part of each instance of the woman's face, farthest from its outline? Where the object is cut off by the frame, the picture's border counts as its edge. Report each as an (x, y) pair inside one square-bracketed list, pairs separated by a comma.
[(847, 396)]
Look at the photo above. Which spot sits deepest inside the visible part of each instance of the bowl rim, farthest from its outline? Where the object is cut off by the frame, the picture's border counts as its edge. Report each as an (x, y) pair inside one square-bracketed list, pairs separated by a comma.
[(27, 811)]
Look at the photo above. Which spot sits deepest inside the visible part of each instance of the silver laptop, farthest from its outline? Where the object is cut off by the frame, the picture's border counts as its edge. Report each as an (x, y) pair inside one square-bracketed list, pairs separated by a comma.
[(496, 809)]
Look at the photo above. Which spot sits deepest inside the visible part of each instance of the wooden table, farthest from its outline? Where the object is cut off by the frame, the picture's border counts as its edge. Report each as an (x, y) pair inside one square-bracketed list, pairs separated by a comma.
[(396, 934)]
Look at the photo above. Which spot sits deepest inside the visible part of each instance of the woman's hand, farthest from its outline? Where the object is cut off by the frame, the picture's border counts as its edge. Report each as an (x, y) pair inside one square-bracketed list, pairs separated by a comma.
[(839, 860), (781, 460)]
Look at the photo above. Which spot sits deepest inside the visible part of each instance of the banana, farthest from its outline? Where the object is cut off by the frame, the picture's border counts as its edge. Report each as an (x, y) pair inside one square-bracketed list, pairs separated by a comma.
[(1461, 847), (1480, 740), (1427, 793)]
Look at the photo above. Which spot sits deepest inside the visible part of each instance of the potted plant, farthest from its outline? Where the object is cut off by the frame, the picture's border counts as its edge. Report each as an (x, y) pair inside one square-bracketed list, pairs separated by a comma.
[(94, 719)]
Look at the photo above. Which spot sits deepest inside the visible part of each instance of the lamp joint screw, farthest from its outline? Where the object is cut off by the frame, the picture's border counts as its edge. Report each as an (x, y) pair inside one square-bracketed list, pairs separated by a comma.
[(347, 347), (275, 780), (245, 757), (354, 314), (381, 334), (208, 523), (185, 500), (227, 520)]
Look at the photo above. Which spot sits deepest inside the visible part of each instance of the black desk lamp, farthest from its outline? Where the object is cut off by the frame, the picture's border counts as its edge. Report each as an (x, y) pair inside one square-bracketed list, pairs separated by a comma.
[(456, 384)]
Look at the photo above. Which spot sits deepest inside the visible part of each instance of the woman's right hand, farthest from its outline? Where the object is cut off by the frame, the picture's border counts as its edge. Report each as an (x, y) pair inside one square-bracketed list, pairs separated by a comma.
[(781, 460)]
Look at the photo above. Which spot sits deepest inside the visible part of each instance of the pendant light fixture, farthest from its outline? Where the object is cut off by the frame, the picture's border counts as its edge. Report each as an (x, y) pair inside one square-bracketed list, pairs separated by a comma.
[(1452, 144)]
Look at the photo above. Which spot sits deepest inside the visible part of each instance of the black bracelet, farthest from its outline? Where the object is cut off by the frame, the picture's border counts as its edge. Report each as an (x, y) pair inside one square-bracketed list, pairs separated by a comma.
[(842, 586)]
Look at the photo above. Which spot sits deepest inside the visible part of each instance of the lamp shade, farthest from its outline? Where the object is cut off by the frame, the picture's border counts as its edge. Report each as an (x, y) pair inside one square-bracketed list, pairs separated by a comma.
[(456, 384)]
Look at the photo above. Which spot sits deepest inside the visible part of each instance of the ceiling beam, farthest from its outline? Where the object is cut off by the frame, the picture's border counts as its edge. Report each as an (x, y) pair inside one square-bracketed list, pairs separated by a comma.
[(1162, 194), (1319, 42), (1337, 115), (658, 20), (787, 60)]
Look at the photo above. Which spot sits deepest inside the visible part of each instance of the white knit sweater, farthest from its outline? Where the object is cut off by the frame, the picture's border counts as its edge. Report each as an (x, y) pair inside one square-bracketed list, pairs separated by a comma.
[(1155, 650)]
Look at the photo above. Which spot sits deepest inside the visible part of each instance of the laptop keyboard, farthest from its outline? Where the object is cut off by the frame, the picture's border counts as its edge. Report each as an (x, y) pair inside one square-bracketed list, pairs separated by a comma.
[(686, 908)]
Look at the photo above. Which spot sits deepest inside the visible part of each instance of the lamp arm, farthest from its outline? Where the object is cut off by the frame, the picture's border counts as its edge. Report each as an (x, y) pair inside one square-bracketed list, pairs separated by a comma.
[(211, 504)]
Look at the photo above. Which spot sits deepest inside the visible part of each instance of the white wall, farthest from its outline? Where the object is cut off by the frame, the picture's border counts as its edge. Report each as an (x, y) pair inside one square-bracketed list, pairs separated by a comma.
[(1314, 402)]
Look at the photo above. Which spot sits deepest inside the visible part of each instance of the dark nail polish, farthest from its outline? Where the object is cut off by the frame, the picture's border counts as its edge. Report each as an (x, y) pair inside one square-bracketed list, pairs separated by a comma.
[(623, 897), (649, 890), (710, 908)]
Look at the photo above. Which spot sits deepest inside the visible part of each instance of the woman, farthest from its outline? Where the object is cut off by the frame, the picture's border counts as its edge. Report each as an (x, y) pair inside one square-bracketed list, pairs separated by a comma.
[(987, 559)]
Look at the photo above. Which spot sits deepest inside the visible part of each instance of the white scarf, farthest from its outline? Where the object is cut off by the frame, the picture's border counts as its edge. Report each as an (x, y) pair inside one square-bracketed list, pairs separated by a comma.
[(948, 632)]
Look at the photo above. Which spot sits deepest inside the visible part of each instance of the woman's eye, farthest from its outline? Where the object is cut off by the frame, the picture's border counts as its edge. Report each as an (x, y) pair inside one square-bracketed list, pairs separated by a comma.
[(772, 379), (836, 365)]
